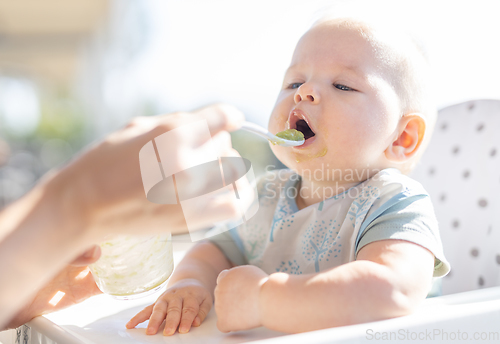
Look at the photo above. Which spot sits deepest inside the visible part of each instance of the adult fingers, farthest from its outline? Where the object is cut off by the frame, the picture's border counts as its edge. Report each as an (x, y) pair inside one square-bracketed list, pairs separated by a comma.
[(173, 317), (157, 317), (234, 168), (87, 284), (88, 257), (220, 207), (221, 117), (222, 143), (140, 317), (190, 310), (193, 182)]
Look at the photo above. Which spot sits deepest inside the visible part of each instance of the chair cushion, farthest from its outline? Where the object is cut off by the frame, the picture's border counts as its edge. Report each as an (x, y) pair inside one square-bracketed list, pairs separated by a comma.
[(461, 172)]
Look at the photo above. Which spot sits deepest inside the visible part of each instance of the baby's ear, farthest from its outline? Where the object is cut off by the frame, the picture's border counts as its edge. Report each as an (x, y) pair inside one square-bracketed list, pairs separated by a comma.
[(410, 134)]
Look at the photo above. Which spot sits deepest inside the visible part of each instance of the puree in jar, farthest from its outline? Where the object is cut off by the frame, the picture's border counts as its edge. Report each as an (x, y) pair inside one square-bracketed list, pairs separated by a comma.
[(131, 266)]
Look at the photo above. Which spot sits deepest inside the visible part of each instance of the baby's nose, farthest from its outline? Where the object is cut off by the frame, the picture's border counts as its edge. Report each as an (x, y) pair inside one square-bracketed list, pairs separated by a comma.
[(306, 92)]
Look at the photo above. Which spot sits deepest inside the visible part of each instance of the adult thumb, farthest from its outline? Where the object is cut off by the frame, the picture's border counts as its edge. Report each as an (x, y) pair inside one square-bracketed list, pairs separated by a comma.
[(90, 256)]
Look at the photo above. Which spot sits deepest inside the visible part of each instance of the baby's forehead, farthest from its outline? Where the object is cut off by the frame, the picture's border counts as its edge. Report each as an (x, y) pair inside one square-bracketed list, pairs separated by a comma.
[(334, 44), (384, 41), (392, 49)]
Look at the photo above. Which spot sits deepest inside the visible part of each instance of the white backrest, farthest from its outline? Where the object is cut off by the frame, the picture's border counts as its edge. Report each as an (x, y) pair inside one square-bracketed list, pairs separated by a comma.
[(461, 172)]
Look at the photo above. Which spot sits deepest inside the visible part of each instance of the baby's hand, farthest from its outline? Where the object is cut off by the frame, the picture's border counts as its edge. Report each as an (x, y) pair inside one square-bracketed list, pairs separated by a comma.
[(184, 304), (237, 298)]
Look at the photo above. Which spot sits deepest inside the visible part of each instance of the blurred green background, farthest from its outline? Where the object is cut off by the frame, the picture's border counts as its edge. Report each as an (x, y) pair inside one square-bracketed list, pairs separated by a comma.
[(73, 71)]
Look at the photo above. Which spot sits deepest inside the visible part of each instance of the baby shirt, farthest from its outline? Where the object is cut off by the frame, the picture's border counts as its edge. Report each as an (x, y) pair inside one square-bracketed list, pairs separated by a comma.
[(282, 238)]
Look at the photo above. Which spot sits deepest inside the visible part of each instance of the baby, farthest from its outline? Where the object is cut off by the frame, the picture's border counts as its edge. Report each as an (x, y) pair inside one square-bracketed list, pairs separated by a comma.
[(343, 236)]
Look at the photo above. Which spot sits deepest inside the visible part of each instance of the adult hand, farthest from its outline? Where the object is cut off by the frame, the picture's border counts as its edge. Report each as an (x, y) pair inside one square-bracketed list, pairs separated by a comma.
[(105, 183), (72, 285), (237, 298), (99, 193)]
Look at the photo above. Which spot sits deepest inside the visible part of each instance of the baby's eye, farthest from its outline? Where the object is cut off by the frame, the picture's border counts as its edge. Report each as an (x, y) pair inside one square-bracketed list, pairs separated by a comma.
[(295, 85), (343, 87)]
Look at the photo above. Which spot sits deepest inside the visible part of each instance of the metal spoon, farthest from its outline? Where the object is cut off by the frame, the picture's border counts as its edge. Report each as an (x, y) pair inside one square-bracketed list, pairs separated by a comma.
[(257, 129)]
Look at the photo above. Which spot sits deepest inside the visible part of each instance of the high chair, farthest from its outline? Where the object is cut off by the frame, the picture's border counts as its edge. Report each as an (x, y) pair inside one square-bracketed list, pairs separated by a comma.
[(461, 172)]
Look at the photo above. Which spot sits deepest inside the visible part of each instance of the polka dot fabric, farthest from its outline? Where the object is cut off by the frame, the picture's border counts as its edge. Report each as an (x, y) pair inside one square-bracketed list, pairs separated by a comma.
[(461, 172)]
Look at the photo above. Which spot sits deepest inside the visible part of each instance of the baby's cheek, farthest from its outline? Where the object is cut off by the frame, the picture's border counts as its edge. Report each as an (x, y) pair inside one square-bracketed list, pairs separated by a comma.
[(274, 125)]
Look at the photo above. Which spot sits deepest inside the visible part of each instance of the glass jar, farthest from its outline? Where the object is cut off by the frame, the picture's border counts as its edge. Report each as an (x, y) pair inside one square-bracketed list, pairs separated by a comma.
[(134, 266)]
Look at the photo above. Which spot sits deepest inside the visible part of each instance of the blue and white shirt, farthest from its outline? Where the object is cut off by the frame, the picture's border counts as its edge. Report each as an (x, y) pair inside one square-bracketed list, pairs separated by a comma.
[(282, 238)]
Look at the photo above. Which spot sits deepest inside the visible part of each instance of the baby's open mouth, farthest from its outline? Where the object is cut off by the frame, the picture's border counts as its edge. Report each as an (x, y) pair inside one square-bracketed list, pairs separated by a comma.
[(303, 127), (298, 120)]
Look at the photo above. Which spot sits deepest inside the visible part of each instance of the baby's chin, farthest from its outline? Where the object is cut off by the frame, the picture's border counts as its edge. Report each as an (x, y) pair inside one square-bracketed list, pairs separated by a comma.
[(318, 167), (301, 163)]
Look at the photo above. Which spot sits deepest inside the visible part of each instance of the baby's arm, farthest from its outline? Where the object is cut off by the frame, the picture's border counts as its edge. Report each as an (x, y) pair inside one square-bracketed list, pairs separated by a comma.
[(388, 279), (189, 296)]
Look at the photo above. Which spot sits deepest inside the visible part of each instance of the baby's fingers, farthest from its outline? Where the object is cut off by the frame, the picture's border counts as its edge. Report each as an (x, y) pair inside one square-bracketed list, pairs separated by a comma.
[(190, 310), (140, 317), (173, 317), (157, 317), (203, 312)]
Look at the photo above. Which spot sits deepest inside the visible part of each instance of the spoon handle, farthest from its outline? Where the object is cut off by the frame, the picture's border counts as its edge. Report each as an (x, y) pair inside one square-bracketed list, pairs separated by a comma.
[(257, 129)]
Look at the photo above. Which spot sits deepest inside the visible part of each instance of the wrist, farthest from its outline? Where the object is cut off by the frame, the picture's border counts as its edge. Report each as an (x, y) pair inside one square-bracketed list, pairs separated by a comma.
[(260, 308), (189, 281), (43, 216), (267, 296), (59, 192)]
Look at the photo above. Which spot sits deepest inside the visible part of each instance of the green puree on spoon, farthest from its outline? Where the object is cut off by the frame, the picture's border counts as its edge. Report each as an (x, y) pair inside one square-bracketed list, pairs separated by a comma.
[(291, 134), (286, 138)]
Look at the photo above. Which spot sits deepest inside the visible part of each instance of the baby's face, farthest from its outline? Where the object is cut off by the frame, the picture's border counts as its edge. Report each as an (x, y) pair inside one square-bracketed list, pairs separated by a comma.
[(336, 94)]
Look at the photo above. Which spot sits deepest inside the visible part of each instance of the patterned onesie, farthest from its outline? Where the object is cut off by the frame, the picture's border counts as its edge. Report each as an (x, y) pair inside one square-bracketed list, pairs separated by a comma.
[(282, 238)]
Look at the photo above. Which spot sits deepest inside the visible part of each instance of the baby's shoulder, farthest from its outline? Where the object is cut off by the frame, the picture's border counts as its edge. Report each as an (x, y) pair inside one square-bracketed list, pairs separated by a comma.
[(391, 182)]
